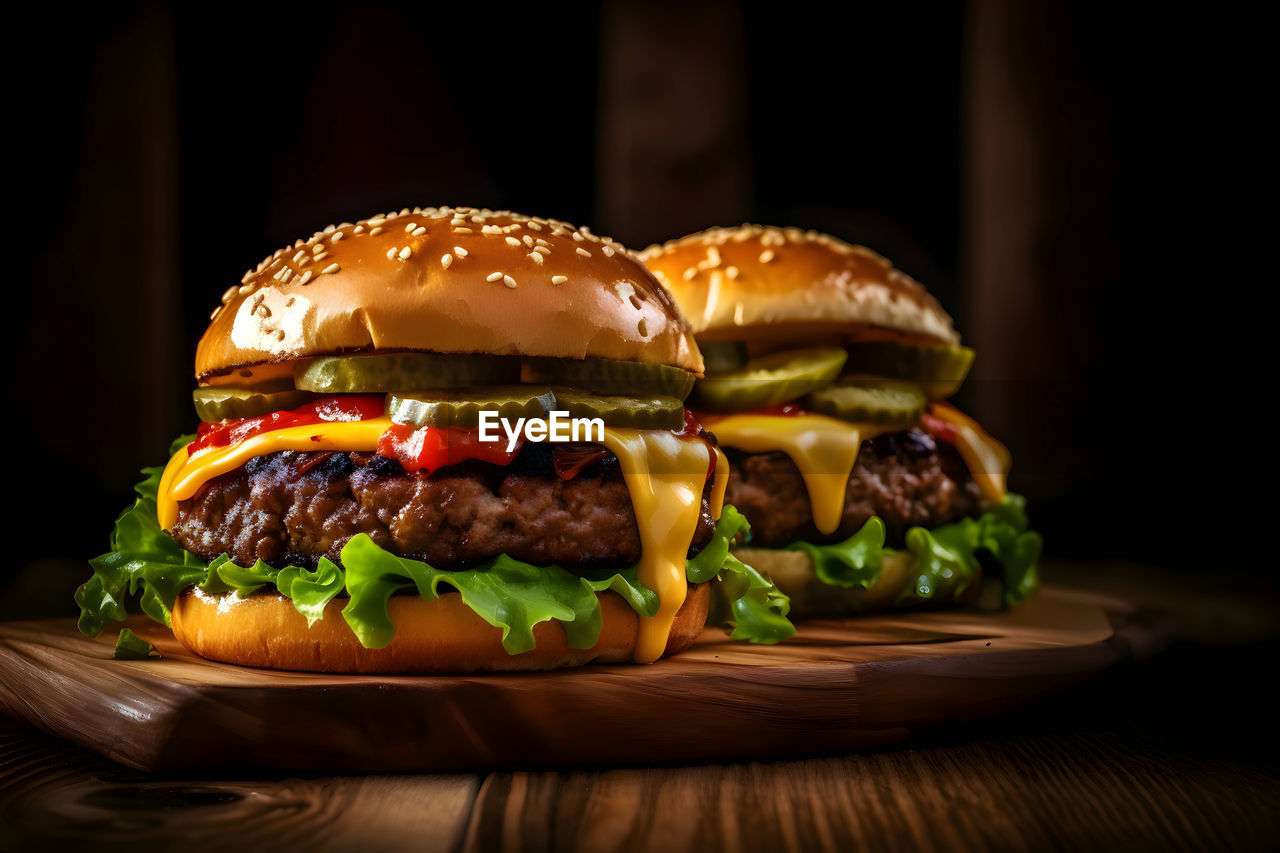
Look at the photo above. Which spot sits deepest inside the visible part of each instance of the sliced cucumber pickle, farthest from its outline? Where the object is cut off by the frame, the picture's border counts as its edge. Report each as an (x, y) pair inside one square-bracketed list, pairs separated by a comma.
[(660, 412), (771, 379), (220, 403), (940, 368), (869, 400), (404, 371), (462, 408), (723, 356), (605, 376)]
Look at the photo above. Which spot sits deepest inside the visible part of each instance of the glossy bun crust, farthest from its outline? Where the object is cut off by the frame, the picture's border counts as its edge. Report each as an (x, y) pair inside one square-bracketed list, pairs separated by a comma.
[(755, 277), (456, 280), (444, 635)]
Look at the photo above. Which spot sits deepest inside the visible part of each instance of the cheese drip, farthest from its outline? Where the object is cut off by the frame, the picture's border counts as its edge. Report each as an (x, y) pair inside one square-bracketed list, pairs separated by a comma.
[(824, 449), (665, 475), (988, 460)]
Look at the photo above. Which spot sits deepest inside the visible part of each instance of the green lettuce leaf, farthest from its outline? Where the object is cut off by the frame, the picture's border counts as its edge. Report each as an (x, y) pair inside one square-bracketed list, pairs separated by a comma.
[(129, 646), (146, 563), (743, 601), (855, 562), (945, 561)]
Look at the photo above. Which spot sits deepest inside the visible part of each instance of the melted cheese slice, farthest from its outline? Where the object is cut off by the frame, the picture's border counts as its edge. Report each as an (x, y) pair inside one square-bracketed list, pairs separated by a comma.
[(665, 475), (184, 475), (823, 448), (988, 460)]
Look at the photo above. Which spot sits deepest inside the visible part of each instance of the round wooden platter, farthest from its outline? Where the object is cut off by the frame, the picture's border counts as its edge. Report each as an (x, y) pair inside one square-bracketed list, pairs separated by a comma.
[(837, 686)]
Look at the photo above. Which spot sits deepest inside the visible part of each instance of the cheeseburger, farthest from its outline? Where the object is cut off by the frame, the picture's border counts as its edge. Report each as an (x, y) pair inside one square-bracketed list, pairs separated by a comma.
[(826, 371), (439, 440)]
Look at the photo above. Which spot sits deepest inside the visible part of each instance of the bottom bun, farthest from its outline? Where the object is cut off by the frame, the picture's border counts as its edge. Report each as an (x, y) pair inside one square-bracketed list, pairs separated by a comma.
[(812, 598), (443, 635)]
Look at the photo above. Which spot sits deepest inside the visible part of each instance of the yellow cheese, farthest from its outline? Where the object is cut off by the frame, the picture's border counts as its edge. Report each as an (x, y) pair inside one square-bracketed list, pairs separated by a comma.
[(665, 475), (185, 475), (720, 485), (988, 460), (824, 449)]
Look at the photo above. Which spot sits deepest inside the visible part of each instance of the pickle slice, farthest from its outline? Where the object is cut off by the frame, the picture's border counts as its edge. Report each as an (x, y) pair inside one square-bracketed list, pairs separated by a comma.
[(403, 371), (606, 376), (940, 369), (869, 400), (771, 379), (462, 408), (723, 356), (660, 412), (220, 403)]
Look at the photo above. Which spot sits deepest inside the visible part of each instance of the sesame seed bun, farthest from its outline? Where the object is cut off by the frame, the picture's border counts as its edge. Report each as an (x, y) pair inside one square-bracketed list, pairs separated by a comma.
[(454, 280), (444, 635), (788, 283)]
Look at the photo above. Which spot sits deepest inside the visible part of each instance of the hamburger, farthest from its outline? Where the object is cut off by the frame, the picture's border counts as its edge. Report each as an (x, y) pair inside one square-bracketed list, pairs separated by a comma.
[(826, 375), (439, 440)]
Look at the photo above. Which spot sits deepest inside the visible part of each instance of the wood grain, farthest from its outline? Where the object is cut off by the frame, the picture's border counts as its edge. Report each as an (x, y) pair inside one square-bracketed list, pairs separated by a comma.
[(55, 795), (837, 686), (1077, 790)]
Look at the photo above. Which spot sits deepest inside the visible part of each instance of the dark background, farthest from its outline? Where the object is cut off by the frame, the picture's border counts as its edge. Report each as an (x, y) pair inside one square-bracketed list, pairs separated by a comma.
[(1084, 187)]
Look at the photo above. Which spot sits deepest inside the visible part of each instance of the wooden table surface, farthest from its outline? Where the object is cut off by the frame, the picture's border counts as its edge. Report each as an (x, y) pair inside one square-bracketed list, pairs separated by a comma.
[(1177, 752)]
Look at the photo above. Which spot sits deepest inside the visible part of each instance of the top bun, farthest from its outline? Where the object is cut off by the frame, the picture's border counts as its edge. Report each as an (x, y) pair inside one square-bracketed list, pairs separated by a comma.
[(452, 280), (728, 279)]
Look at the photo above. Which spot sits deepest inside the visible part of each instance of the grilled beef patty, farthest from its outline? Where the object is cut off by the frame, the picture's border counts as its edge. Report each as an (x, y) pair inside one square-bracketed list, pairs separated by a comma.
[(906, 478), (292, 508)]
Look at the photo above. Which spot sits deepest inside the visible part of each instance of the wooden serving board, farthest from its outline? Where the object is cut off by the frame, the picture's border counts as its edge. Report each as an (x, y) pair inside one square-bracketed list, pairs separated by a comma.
[(837, 686)]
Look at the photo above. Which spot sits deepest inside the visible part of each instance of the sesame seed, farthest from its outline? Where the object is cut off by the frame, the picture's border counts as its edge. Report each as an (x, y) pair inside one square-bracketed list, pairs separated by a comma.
[(332, 268), (246, 288), (512, 241), (391, 253), (337, 235), (231, 291), (493, 276), (766, 256), (578, 237), (535, 226), (306, 277), (357, 229), (373, 232), (528, 241), (409, 228), (583, 252), (463, 231), (559, 279), (608, 251), (732, 272), (320, 257), (537, 258), (445, 260), (509, 281), (419, 231), (318, 247), (690, 273), (299, 256), (459, 251), (542, 249), (405, 253)]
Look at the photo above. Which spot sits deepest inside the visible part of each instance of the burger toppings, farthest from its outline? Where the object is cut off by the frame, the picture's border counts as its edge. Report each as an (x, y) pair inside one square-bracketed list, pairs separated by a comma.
[(326, 410)]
